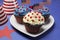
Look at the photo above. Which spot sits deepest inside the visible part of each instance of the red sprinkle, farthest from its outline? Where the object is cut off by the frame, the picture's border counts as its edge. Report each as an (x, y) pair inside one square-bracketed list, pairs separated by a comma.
[(27, 20), (25, 17), (39, 17), (32, 20), (42, 19), (35, 16), (28, 15), (31, 17), (32, 13)]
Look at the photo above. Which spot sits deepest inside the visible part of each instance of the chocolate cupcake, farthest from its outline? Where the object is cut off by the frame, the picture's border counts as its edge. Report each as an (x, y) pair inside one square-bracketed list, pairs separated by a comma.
[(20, 12), (33, 21), (45, 12)]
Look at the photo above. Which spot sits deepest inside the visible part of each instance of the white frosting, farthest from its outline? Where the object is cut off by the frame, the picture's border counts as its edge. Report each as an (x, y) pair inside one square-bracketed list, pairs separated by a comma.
[(34, 18)]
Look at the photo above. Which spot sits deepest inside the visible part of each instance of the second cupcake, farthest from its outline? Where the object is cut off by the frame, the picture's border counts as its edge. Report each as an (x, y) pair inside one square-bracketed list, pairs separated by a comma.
[(33, 21), (20, 12), (45, 12)]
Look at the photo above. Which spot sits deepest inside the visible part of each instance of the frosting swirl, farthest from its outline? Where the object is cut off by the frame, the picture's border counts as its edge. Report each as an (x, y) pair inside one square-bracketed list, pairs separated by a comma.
[(44, 11), (34, 18), (21, 11)]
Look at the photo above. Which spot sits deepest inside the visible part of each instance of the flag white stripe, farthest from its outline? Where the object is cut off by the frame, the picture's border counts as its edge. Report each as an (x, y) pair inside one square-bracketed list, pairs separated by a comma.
[(3, 21)]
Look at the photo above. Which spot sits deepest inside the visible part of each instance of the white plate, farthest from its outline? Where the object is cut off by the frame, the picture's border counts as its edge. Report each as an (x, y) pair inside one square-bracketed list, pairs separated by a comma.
[(22, 29)]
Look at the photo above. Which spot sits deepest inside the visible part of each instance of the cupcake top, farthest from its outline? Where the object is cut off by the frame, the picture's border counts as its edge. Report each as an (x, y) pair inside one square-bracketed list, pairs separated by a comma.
[(21, 11), (34, 18), (44, 11)]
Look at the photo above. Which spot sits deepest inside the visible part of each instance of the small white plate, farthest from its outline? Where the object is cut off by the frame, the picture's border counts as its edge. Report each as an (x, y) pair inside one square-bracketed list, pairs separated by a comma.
[(22, 29)]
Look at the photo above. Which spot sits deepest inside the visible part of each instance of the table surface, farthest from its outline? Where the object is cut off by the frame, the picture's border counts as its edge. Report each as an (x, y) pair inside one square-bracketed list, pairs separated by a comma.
[(52, 34)]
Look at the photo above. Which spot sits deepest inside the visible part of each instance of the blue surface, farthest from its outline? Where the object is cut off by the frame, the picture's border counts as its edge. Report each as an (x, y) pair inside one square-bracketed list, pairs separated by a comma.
[(52, 34)]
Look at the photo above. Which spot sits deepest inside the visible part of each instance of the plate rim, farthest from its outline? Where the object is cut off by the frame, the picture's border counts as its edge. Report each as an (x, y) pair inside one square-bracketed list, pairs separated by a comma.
[(37, 34)]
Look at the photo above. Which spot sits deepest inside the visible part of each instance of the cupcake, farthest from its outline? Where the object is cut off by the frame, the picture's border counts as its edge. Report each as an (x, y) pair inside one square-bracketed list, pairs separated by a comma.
[(45, 12), (20, 12), (33, 21)]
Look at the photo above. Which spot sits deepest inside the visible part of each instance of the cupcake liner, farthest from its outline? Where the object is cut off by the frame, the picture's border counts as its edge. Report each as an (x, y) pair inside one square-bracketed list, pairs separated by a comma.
[(33, 29), (19, 19), (46, 17)]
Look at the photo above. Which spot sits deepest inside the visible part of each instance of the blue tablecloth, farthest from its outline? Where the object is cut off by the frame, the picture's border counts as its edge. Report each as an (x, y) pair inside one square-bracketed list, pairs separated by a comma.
[(52, 34)]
